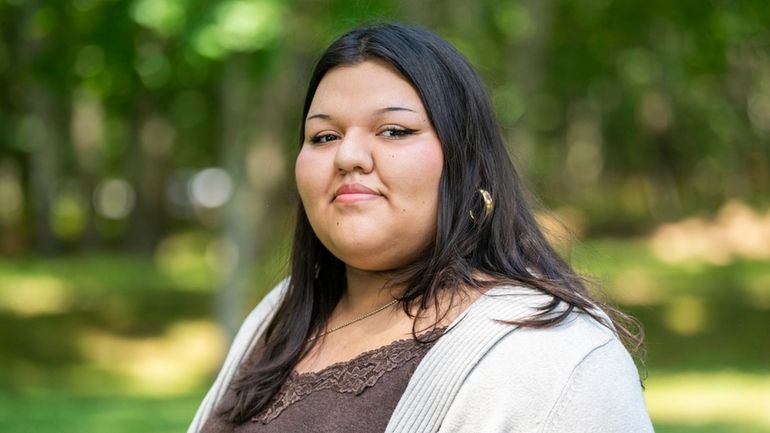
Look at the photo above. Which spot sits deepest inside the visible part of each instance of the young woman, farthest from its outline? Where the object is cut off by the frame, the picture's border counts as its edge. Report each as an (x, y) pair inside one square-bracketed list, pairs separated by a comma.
[(423, 297)]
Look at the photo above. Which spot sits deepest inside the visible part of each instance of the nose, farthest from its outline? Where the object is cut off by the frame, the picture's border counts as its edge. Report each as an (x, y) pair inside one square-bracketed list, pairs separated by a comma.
[(353, 154)]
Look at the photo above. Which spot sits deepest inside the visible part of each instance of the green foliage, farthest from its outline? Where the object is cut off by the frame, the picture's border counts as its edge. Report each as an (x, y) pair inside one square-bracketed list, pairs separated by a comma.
[(167, 17), (659, 104), (243, 26)]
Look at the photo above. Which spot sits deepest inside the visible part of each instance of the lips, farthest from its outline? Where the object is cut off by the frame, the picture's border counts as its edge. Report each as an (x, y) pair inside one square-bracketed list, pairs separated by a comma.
[(354, 192)]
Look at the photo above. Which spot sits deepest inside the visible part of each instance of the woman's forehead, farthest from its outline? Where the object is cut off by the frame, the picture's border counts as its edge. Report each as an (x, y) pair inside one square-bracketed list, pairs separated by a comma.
[(371, 87)]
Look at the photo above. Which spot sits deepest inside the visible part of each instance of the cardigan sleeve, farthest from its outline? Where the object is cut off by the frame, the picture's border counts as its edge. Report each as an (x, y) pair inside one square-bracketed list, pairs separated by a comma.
[(573, 377), (602, 394)]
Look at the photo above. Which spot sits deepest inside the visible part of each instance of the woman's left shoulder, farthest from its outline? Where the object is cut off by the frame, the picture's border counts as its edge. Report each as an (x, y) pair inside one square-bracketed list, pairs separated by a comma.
[(573, 337), (542, 378), (560, 348)]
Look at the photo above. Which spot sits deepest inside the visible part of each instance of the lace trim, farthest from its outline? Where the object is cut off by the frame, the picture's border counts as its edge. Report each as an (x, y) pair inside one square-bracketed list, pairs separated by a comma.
[(352, 376)]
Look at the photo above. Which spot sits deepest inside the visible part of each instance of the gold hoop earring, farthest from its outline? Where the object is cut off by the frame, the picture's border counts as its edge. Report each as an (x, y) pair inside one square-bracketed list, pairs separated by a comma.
[(489, 204)]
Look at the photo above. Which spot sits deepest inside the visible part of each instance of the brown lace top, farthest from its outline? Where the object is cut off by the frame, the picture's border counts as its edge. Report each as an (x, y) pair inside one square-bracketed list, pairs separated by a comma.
[(358, 395)]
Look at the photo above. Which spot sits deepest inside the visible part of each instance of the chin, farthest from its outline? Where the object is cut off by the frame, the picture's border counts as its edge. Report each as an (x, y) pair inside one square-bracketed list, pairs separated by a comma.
[(367, 261), (373, 267), (375, 259)]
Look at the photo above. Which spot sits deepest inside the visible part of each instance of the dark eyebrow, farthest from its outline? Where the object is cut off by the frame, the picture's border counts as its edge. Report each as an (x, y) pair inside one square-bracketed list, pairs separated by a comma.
[(378, 112), (319, 116), (389, 109)]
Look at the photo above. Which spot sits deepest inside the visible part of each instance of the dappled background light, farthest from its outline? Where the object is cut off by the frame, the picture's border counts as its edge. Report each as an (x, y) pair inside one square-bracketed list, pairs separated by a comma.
[(147, 198), (211, 188), (736, 232), (114, 198)]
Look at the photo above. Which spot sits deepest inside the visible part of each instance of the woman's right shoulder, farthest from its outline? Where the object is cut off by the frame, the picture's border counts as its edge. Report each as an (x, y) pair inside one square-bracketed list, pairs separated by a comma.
[(247, 335), (266, 308)]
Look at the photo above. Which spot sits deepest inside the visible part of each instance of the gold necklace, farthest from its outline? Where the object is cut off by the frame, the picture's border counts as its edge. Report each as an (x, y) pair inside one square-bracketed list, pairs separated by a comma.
[(357, 319)]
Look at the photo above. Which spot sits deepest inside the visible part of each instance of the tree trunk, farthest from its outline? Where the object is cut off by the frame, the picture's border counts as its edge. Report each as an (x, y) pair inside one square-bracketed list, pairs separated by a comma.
[(152, 137), (252, 153), (238, 229), (42, 133)]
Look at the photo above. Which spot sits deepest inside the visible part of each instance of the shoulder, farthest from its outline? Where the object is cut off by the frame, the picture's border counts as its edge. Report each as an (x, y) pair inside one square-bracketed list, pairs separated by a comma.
[(546, 357), (543, 357), (267, 306), (531, 357), (249, 331), (533, 377), (254, 324), (572, 338)]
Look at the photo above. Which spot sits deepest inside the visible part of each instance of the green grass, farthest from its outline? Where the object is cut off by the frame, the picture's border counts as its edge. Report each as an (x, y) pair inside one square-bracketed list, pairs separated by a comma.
[(707, 336), (114, 413), (710, 428), (697, 316)]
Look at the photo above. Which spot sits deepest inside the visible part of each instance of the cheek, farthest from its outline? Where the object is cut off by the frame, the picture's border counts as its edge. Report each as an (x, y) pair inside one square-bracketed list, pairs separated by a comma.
[(306, 174), (433, 158), (421, 170), (431, 168)]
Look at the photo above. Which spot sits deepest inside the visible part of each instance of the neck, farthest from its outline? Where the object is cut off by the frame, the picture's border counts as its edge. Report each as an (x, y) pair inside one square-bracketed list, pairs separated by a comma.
[(366, 291)]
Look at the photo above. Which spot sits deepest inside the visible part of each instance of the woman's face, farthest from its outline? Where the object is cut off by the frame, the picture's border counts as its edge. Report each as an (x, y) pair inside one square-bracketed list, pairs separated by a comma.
[(369, 169)]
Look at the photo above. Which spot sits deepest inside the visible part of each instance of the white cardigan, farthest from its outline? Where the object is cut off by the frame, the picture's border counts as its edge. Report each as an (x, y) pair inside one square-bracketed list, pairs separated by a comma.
[(486, 376)]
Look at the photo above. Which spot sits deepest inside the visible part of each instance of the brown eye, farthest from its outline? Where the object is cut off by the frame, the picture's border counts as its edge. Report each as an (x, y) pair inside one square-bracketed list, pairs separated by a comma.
[(397, 132), (323, 138)]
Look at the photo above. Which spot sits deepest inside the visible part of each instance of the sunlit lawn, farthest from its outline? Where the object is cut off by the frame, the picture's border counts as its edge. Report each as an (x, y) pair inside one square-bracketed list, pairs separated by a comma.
[(115, 413), (124, 344)]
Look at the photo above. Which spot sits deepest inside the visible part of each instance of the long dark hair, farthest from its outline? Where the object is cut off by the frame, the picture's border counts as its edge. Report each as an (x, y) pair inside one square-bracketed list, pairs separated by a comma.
[(506, 246)]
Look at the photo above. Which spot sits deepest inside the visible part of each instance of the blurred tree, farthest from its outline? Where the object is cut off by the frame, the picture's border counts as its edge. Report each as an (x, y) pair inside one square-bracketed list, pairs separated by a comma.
[(633, 112), (39, 125)]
